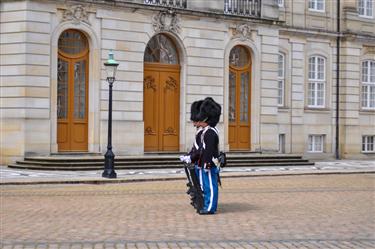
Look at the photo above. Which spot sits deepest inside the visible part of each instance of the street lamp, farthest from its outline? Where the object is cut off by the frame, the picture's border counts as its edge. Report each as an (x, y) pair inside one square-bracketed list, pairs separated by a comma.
[(109, 158)]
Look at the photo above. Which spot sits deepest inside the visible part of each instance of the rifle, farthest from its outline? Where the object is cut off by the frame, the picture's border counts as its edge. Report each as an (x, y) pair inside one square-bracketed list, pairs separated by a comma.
[(194, 187)]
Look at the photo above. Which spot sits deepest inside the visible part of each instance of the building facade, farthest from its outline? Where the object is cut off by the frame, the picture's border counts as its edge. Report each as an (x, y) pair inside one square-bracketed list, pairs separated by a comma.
[(272, 65)]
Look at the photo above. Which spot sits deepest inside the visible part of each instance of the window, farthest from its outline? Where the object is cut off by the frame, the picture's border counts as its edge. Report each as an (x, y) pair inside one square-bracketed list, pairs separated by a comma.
[(316, 143), (316, 85), (280, 3), (368, 84), (365, 8), (281, 143), (281, 80), (368, 143), (160, 49), (316, 5)]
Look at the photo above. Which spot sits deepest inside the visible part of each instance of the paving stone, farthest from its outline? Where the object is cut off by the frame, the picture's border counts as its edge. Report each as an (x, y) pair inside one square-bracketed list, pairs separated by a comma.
[(318, 211)]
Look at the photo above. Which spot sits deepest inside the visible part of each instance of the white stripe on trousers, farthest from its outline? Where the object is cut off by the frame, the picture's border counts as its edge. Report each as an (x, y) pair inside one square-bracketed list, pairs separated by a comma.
[(211, 191), (200, 178)]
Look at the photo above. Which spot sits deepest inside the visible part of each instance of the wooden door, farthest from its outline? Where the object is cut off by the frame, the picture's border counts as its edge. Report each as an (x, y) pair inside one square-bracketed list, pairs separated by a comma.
[(161, 107), (72, 97), (239, 99)]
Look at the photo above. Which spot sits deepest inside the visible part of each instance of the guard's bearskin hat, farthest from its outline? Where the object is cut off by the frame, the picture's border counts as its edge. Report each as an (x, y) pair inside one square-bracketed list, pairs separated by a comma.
[(194, 110), (210, 112)]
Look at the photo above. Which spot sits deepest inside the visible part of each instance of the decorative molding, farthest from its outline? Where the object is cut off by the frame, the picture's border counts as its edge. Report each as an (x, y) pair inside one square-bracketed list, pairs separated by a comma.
[(166, 21), (244, 32), (76, 14), (170, 130), (149, 131), (149, 82), (171, 84)]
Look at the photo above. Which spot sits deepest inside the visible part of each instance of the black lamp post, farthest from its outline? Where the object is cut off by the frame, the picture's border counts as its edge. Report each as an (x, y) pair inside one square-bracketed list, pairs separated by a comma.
[(109, 157)]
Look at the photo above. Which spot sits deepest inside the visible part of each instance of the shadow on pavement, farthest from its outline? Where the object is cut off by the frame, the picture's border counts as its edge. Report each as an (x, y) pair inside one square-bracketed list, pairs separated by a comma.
[(235, 207)]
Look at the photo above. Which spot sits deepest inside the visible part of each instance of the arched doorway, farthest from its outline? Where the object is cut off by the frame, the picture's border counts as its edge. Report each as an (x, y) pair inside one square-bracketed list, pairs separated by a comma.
[(72, 89), (239, 98), (161, 95)]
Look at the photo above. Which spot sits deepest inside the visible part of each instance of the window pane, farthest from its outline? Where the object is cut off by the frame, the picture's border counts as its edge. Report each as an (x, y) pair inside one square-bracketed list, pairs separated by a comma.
[(311, 94), (310, 143), (312, 68), (311, 4), (363, 143), (320, 94), (372, 72), (321, 68), (72, 42), (320, 5), (161, 49), (365, 71), (280, 99), (364, 96), (369, 8), (361, 7), (62, 89), (80, 90), (239, 57), (371, 143), (372, 97), (244, 101), (232, 97), (317, 143), (281, 66)]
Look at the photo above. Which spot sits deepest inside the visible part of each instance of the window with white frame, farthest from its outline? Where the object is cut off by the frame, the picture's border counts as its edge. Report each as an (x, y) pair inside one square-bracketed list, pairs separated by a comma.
[(281, 80), (365, 8), (368, 143), (280, 3), (317, 5), (368, 84), (317, 82), (316, 143)]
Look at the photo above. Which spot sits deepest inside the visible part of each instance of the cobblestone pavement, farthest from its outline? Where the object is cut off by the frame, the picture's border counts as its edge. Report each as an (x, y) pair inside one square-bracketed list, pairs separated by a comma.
[(8, 175), (307, 211)]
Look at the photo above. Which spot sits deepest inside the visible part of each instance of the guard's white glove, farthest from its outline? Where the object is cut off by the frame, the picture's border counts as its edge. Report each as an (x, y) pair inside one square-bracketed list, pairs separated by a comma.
[(185, 159)]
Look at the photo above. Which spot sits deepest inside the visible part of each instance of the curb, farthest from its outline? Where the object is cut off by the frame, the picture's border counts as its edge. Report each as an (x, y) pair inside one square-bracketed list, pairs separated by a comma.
[(153, 179)]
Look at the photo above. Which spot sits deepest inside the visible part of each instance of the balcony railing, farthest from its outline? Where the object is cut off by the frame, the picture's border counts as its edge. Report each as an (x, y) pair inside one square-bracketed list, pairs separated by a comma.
[(168, 3), (243, 7)]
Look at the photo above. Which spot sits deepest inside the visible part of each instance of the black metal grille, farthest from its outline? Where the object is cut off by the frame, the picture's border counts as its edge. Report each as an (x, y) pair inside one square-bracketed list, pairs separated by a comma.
[(243, 7), (167, 3)]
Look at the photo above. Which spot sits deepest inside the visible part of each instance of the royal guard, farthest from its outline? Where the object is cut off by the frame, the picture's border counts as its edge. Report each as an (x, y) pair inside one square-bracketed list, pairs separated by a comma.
[(195, 189), (209, 116)]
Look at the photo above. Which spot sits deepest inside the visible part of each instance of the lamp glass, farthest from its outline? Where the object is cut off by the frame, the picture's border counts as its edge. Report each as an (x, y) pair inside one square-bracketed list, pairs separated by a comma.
[(111, 65), (110, 70)]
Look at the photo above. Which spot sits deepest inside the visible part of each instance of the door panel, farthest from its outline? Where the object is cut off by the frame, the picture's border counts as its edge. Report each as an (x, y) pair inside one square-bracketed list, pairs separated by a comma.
[(161, 107), (72, 124), (150, 110), (239, 109), (63, 104), (170, 111)]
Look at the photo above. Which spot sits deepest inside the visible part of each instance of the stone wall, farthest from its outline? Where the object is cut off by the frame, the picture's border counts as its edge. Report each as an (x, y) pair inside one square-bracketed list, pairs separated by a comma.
[(25, 79), (29, 34)]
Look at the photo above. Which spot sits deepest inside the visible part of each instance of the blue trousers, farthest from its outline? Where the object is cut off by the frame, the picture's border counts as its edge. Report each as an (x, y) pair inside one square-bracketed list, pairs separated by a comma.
[(209, 185)]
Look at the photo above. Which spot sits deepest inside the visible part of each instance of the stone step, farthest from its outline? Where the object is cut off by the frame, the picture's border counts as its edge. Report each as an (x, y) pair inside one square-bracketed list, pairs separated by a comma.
[(85, 161), (154, 162), (119, 166), (134, 159)]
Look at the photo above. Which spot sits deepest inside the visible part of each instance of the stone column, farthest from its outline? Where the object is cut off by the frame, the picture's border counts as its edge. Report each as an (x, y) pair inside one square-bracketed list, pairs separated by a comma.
[(297, 96)]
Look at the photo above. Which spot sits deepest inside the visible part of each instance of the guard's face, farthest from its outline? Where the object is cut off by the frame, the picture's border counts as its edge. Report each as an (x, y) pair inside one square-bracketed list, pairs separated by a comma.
[(202, 124), (196, 123)]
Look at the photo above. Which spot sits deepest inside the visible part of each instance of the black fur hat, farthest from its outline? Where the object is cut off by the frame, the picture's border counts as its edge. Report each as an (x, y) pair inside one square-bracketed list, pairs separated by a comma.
[(194, 110), (210, 112)]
